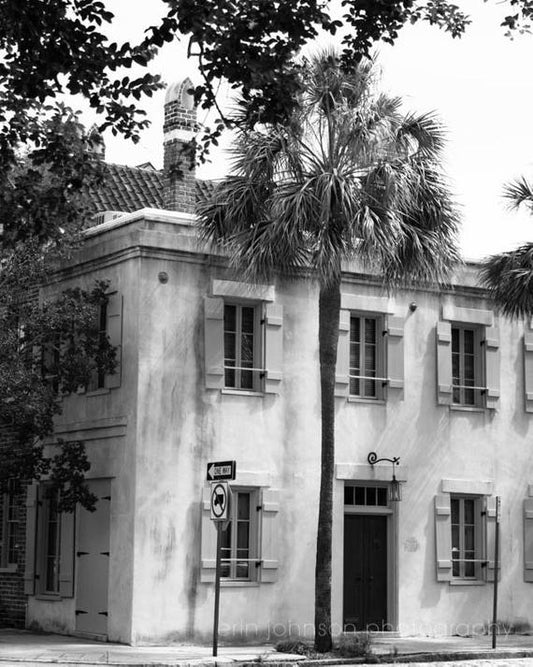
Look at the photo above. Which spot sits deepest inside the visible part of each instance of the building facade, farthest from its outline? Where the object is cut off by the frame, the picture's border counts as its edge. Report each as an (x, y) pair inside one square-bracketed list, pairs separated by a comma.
[(214, 369)]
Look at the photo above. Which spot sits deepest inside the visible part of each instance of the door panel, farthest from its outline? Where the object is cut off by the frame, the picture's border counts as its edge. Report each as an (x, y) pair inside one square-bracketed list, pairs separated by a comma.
[(365, 572), (92, 560)]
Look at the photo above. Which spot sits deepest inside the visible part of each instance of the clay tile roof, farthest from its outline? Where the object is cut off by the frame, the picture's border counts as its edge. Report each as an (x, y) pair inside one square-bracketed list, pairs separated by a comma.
[(129, 189)]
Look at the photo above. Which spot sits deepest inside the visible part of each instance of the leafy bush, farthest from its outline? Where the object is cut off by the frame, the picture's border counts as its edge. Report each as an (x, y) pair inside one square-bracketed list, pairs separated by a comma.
[(292, 646), (355, 645)]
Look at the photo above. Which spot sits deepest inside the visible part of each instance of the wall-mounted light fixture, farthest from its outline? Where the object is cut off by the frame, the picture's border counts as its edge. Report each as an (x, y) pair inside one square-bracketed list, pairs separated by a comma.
[(395, 488)]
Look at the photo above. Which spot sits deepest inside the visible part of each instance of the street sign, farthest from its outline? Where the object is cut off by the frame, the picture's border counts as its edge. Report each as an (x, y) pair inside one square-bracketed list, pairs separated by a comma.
[(219, 501), (218, 470)]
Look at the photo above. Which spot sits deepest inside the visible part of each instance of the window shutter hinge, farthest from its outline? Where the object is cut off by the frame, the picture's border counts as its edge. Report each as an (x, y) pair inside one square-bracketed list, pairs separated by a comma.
[(258, 563), (80, 611), (385, 332), (262, 321), (485, 563), (484, 513), (105, 498), (259, 508)]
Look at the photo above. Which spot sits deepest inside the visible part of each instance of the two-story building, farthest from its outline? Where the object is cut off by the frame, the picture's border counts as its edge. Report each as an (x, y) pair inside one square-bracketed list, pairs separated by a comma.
[(214, 369)]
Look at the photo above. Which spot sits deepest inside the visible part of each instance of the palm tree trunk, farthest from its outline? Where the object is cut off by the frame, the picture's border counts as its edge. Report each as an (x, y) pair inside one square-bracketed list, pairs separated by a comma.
[(328, 338)]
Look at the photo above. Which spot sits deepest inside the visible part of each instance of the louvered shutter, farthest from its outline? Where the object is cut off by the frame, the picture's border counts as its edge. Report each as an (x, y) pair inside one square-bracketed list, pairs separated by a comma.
[(273, 347), (269, 535), (395, 353), (66, 555), (208, 553), (528, 540), (492, 366), (528, 370), (32, 497), (444, 363), (489, 506), (214, 342), (443, 537), (114, 332), (342, 369)]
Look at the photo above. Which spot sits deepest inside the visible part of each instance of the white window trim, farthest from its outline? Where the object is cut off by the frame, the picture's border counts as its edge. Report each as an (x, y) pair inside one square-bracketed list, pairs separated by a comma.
[(253, 538), (479, 555), (258, 367), (380, 380), (480, 384)]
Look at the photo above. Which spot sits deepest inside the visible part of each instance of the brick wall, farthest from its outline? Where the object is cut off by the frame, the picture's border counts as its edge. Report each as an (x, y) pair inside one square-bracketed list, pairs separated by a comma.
[(12, 597)]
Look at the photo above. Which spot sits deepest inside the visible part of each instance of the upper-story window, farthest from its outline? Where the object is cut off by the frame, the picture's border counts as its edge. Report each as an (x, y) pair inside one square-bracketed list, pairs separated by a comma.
[(242, 350), (366, 357), (98, 377), (467, 366)]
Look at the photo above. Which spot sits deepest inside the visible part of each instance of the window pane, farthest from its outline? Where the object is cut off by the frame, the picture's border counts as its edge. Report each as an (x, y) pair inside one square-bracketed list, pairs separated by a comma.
[(455, 340), (359, 495), (370, 331), (243, 537), (355, 330), (382, 496), (348, 495), (469, 538), (468, 341), (455, 510), (371, 495), (248, 320), (470, 504), (243, 506), (455, 540), (230, 318)]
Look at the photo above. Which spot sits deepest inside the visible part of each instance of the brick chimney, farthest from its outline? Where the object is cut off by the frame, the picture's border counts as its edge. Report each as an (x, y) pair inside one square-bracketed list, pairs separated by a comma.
[(179, 129)]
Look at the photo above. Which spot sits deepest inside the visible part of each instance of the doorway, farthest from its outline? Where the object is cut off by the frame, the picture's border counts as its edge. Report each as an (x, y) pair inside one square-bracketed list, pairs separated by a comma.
[(369, 595), (92, 563)]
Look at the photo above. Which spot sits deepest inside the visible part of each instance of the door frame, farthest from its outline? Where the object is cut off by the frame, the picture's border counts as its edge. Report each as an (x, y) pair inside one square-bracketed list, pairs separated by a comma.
[(391, 512)]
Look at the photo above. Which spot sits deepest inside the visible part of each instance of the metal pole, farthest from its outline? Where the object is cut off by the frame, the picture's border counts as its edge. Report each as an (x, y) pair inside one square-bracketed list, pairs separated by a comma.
[(496, 568), (217, 589)]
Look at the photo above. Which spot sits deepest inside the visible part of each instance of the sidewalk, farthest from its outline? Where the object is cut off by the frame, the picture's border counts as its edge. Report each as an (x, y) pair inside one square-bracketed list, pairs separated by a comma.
[(25, 648)]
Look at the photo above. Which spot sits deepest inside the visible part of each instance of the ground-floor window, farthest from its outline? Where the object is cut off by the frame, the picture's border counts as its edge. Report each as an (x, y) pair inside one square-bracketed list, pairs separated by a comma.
[(9, 525), (465, 518), (239, 537)]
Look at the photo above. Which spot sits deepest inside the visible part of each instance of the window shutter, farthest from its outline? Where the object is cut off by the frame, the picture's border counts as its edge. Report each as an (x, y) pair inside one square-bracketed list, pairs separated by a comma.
[(269, 535), (32, 497), (214, 342), (208, 554), (528, 370), (444, 363), (66, 555), (273, 347), (492, 366), (490, 537), (114, 332), (443, 537), (395, 371), (528, 539), (342, 370)]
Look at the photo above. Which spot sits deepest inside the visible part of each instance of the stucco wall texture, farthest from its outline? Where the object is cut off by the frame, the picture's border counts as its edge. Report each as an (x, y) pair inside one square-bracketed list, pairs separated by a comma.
[(154, 435)]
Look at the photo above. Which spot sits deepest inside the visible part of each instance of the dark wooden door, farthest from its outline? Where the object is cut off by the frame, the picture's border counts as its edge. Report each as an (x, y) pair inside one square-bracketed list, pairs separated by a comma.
[(365, 572)]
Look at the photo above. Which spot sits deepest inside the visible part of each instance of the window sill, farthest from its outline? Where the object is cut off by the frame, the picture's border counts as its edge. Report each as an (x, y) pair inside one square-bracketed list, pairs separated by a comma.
[(467, 408), (11, 567), (467, 582), (242, 392), (234, 583), (48, 597), (367, 401), (98, 392)]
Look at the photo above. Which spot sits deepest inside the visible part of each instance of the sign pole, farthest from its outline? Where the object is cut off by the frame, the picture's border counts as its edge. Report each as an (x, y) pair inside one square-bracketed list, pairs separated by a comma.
[(496, 568), (217, 589)]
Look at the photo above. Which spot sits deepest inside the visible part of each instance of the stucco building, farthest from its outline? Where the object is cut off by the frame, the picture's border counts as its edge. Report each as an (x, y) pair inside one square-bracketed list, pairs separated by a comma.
[(215, 369)]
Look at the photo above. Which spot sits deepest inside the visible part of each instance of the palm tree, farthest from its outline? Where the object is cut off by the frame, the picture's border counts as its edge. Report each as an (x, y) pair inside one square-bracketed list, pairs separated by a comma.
[(348, 177), (509, 276)]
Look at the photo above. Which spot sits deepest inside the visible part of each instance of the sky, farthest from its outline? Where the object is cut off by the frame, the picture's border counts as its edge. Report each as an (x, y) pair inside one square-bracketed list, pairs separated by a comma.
[(481, 86)]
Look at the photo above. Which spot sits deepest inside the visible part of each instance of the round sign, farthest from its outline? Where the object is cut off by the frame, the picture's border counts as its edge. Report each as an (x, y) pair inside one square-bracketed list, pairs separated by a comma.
[(219, 501)]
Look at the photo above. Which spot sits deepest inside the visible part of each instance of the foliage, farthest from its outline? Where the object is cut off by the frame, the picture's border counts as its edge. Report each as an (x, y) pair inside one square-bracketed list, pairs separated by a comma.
[(355, 645), (48, 347), (508, 276), (61, 46), (295, 646), (347, 177)]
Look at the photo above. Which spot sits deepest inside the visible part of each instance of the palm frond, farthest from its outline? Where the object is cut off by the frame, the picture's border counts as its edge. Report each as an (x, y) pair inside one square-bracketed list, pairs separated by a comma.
[(519, 192), (509, 279)]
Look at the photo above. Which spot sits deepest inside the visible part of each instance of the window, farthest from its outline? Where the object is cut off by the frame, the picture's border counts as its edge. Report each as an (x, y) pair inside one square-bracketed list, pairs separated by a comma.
[(250, 541), (52, 541), (238, 552), (242, 361), (467, 376), (368, 496), (98, 377), (50, 363), (9, 525), (465, 515), (366, 357)]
